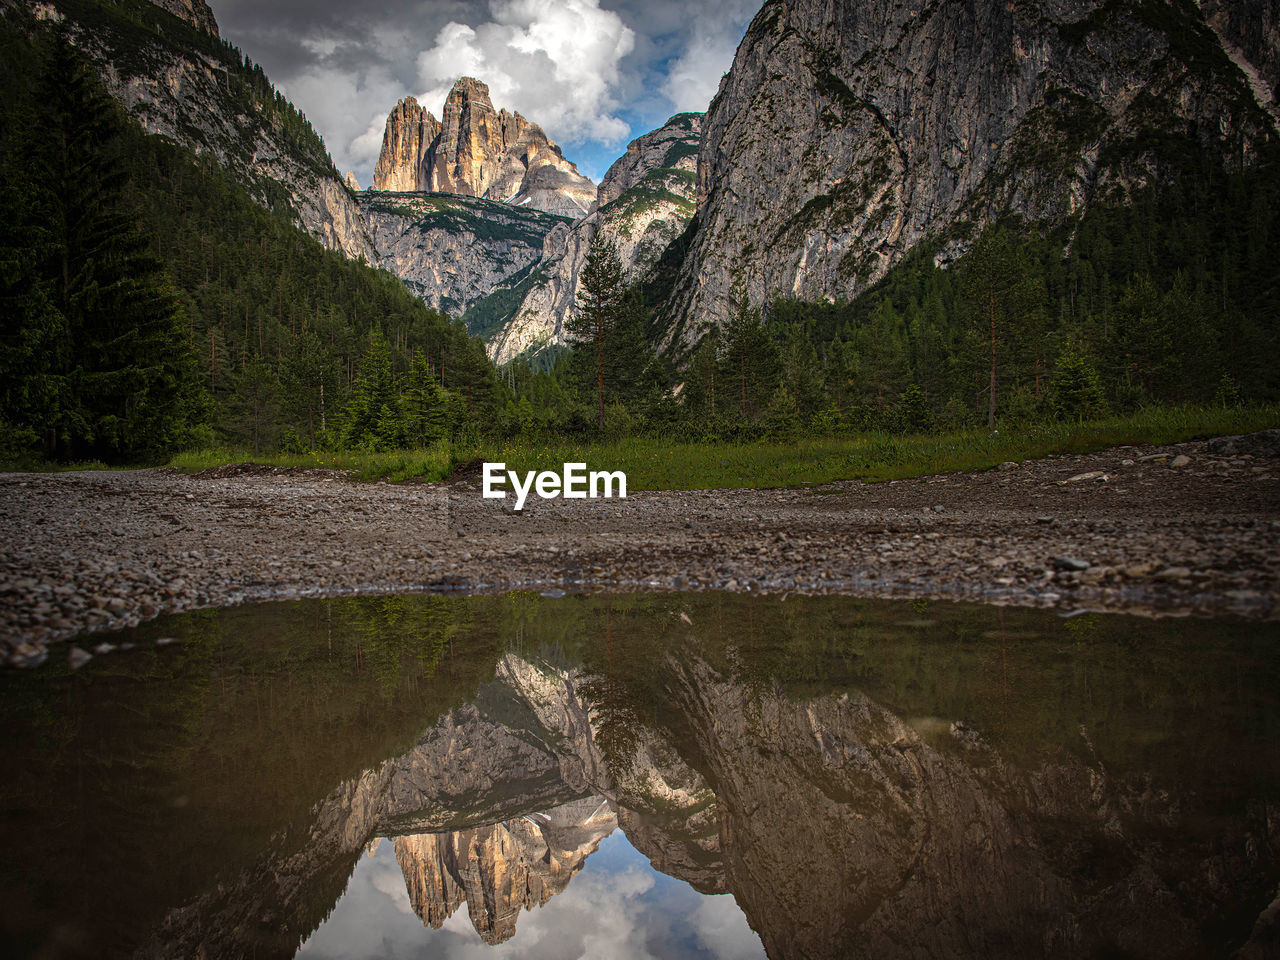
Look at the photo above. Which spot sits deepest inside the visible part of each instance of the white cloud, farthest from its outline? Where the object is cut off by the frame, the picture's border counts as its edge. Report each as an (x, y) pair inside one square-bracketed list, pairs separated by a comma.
[(350, 109), (555, 61), (693, 78)]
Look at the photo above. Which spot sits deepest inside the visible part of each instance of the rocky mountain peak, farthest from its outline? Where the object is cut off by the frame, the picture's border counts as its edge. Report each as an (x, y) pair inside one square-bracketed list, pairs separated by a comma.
[(195, 12), (478, 151)]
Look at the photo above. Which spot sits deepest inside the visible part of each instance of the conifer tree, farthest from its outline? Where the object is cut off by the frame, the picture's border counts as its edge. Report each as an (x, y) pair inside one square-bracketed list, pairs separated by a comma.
[(375, 398), (750, 364), (600, 301), (426, 406), (116, 380), (997, 285)]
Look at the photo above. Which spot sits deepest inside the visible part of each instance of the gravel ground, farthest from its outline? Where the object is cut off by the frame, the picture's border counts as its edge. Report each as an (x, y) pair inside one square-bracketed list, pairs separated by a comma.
[(1186, 529)]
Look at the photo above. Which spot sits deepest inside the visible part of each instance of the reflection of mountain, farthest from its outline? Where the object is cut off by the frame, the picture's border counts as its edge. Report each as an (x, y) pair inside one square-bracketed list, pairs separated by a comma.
[(841, 828), (499, 869)]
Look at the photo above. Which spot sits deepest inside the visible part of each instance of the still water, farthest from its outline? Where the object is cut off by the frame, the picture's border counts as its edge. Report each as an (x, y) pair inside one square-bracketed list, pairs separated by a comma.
[(646, 776)]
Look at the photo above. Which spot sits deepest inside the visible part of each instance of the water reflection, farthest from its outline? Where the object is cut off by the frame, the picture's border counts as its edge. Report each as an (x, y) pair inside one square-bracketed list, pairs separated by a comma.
[(689, 775)]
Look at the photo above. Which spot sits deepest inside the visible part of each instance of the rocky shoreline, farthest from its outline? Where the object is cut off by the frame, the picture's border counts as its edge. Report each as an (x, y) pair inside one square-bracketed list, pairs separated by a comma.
[(1188, 529)]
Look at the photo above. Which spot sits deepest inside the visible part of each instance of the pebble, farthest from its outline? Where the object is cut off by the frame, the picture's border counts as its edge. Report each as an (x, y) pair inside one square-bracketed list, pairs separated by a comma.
[(215, 548), (1181, 460), (1099, 475), (1070, 564), (77, 658)]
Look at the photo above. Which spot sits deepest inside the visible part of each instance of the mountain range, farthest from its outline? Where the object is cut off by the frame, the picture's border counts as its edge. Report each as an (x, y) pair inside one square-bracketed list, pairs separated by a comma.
[(853, 152)]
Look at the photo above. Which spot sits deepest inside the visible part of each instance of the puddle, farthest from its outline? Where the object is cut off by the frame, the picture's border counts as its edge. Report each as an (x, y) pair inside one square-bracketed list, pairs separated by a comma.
[(643, 776)]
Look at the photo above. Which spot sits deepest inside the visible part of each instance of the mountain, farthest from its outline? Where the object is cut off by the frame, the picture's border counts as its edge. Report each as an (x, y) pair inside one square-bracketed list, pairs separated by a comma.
[(454, 251), (477, 151), (644, 202), (167, 64), (846, 135)]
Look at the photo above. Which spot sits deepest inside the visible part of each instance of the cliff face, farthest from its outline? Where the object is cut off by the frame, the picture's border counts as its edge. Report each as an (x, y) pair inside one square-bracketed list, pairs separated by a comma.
[(644, 202), (846, 133), (454, 251), (195, 12), (477, 151), (1250, 34), (197, 93), (411, 131)]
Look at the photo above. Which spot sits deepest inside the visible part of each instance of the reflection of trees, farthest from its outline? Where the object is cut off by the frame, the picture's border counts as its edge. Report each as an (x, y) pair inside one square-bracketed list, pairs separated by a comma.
[(401, 639)]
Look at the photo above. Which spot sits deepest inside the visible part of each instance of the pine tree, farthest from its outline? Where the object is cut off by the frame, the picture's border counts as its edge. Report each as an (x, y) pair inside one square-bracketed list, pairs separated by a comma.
[(600, 300), (1077, 390), (426, 406), (749, 365), (375, 398), (1001, 296), (117, 381), (254, 403)]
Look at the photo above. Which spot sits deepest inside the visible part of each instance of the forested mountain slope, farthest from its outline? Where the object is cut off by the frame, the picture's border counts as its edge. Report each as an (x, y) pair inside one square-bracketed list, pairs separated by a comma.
[(266, 336)]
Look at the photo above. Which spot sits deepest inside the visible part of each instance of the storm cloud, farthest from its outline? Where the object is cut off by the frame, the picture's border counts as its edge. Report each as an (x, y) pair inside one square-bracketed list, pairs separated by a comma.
[(593, 73)]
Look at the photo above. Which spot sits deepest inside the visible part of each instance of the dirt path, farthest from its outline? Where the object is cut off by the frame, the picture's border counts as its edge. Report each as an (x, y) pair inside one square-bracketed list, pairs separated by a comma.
[(96, 551)]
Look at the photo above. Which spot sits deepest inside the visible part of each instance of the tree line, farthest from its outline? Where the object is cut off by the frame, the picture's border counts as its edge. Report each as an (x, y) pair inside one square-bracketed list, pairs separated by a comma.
[(1169, 297)]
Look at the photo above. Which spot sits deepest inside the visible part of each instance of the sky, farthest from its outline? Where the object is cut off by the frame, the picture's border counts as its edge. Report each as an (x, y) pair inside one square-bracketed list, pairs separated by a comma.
[(617, 907), (594, 74)]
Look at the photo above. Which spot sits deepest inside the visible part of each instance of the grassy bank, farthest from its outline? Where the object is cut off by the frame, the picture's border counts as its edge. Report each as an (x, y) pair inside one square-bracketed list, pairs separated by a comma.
[(652, 464)]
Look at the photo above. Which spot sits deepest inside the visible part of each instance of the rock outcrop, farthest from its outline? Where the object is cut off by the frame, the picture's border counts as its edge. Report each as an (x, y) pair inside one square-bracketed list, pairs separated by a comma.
[(352, 183), (195, 12), (1250, 34), (644, 202), (845, 134), (477, 151)]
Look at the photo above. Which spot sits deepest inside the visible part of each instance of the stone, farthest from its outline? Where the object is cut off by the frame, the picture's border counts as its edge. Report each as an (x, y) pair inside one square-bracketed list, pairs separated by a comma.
[(195, 12), (1070, 564), (77, 658), (645, 201), (1097, 475), (1009, 465), (1181, 460)]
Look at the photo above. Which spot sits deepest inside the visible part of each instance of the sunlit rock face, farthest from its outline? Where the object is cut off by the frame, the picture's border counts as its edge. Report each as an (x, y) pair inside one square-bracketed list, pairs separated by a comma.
[(846, 134), (645, 201), (502, 869), (477, 151)]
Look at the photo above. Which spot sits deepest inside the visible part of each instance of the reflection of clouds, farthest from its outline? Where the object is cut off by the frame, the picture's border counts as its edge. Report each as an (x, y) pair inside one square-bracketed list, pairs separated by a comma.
[(618, 907), (722, 929)]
